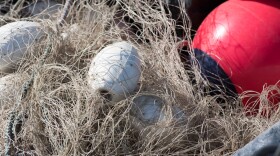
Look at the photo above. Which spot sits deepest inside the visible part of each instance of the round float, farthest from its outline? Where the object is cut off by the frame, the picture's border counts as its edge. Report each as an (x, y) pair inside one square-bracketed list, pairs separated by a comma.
[(152, 110), (237, 46), (115, 71), (15, 39)]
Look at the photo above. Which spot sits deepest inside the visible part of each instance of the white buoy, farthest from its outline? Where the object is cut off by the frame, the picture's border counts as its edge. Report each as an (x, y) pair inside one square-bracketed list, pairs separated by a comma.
[(10, 89), (115, 71), (150, 110), (15, 39), (43, 9), (153, 118), (147, 108)]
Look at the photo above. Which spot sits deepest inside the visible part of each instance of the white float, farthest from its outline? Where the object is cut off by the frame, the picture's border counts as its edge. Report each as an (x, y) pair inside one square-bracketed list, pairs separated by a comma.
[(15, 38), (115, 71), (151, 110), (154, 119), (10, 89), (43, 9)]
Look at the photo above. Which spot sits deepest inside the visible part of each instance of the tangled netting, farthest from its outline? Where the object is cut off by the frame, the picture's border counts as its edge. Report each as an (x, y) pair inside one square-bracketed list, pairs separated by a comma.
[(54, 112)]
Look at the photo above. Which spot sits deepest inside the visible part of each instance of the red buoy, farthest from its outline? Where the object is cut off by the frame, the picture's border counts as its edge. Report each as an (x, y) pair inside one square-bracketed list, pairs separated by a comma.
[(242, 38)]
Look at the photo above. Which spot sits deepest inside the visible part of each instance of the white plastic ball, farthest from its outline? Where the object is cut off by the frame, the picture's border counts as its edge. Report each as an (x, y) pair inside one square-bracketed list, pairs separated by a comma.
[(115, 71), (15, 39)]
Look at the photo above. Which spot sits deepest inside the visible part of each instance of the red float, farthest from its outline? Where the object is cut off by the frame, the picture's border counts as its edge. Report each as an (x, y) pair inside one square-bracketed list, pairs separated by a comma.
[(243, 38)]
